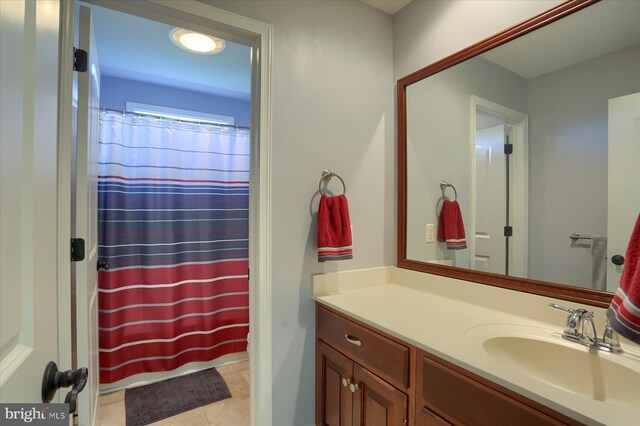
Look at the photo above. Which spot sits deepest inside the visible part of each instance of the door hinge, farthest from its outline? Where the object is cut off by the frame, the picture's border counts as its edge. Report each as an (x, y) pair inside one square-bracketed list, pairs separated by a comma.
[(79, 60), (77, 249), (508, 231), (248, 274), (508, 148)]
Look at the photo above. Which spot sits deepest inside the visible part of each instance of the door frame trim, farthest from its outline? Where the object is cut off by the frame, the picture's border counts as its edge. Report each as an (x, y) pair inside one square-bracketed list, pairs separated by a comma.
[(234, 27), (66, 357), (520, 202)]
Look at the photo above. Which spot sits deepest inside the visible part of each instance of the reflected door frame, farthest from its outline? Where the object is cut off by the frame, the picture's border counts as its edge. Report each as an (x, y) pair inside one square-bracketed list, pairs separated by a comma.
[(519, 182), (624, 155)]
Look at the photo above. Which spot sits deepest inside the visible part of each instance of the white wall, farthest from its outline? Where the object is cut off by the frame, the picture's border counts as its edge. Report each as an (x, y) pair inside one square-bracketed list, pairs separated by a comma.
[(568, 140), (332, 108), (115, 92)]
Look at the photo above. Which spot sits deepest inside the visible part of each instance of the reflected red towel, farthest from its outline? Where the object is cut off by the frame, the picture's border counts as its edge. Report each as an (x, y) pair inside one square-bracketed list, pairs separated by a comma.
[(334, 229), (624, 312), (450, 226)]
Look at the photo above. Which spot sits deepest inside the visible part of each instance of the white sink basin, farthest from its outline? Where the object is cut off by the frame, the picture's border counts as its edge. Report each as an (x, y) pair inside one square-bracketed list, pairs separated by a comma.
[(543, 355)]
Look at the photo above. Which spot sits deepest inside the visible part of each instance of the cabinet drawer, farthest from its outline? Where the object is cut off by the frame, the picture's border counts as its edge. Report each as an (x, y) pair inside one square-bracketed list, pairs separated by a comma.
[(377, 353), (466, 401)]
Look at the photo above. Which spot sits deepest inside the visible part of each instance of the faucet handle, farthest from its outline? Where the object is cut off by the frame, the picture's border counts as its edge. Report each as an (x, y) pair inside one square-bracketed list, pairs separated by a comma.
[(579, 326), (577, 313), (561, 308), (609, 341)]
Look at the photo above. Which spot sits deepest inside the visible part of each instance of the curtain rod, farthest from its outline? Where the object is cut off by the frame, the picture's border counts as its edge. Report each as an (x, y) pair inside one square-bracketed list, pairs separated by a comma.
[(142, 114)]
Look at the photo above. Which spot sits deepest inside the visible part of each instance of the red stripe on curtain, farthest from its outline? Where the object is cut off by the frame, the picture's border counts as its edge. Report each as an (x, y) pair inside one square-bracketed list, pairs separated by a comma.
[(126, 277), (150, 359)]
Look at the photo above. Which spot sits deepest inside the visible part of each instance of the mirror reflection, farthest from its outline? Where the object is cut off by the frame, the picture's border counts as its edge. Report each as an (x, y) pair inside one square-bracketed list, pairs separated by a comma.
[(540, 138)]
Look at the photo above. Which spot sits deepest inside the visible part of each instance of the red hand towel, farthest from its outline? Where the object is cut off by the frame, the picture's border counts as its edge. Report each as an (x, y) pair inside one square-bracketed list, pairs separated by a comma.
[(624, 312), (450, 226), (334, 229)]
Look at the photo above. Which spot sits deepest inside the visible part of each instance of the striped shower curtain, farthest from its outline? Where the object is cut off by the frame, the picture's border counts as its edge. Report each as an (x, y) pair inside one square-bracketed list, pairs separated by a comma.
[(173, 225)]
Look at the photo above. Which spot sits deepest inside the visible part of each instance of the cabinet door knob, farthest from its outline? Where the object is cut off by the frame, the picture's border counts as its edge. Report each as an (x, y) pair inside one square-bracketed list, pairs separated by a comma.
[(346, 382), (353, 340), (354, 387)]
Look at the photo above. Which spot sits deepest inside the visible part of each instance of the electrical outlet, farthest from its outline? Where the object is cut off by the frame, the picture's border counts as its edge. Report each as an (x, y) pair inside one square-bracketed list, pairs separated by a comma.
[(430, 232)]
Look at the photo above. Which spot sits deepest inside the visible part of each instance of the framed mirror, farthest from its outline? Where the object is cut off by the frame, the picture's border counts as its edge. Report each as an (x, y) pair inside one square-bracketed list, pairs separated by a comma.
[(530, 141)]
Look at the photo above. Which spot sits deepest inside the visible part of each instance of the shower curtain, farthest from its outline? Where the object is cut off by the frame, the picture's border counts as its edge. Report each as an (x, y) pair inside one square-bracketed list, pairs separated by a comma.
[(174, 227)]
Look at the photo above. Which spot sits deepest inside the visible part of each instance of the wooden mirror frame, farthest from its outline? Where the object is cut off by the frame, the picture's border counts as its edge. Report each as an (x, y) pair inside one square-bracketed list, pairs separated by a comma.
[(543, 288)]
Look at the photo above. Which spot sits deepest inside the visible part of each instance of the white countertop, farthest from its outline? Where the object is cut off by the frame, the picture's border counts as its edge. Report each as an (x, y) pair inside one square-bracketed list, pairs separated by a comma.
[(442, 315)]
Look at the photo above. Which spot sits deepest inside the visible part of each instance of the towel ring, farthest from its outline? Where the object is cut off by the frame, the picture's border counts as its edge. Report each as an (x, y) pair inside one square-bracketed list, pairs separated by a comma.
[(327, 175), (443, 187)]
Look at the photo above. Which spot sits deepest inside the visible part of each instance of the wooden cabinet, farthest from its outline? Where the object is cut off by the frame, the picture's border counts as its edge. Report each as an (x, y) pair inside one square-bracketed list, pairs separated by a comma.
[(353, 381), (365, 377), (448, 394), (377, 402), (427, 417), (334, 399)]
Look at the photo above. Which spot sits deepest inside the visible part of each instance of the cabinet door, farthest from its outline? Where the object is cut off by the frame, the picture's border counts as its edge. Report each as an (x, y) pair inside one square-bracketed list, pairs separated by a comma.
[(334, 399), (429, 418), (377, 403)]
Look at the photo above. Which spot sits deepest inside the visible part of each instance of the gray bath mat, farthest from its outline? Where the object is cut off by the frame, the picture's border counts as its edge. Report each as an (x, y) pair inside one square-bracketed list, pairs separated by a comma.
[(157, 401)]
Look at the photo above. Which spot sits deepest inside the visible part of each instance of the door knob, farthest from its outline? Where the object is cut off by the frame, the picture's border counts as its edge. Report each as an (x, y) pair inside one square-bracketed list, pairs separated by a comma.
[(617, 260), (345, 382), (52, 380), (354, 387)]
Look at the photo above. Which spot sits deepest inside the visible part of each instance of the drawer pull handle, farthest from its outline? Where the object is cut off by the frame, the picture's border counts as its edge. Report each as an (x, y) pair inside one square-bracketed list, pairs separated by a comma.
[(354, 387), (353, 340), (346, 382)]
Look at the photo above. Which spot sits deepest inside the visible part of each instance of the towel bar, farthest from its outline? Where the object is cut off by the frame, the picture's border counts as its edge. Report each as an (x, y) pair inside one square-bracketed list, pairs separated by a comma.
[(327, 175), (575, 236)]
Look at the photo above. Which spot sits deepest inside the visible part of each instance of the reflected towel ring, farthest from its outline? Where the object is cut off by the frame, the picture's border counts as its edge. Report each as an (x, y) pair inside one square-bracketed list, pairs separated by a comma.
[(443, 187), (327, 175)]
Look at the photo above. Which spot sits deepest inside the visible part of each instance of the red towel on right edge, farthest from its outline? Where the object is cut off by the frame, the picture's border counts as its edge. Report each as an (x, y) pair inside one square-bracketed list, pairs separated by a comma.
[(450, 226), (624, 312)]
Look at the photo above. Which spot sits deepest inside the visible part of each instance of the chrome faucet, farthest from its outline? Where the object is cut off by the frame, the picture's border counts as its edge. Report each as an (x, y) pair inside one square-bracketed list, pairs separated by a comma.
[(581, 329)]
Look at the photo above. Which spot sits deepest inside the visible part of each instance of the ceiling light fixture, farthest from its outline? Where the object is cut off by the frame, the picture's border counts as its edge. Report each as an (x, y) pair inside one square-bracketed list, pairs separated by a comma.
[(195, 42)]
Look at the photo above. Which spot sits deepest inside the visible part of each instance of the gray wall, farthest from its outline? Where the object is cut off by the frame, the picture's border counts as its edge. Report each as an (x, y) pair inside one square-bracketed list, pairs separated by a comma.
[(115, 92), (438, 145), (332, 108), (426, 31), (333, 97), (568, 112)]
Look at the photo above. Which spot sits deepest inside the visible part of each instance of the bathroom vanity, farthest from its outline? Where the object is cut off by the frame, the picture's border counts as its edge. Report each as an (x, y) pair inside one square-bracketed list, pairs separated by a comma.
[(400, 347), (467, 336)]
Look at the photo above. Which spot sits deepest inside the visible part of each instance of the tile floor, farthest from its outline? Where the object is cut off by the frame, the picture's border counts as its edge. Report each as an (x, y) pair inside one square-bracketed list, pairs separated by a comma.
[(233, 411)]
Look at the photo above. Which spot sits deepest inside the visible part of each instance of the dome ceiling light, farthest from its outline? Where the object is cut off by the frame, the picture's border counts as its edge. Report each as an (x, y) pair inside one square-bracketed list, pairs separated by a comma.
[(194, 42)]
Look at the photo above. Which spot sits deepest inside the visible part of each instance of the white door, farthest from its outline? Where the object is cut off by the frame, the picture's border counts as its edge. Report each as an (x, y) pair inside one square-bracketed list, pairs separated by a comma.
[(624, 188), (29, 33), (491, 193), (86, 219)]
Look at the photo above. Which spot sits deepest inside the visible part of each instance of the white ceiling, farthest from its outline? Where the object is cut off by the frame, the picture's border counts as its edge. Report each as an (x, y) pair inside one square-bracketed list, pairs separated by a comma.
[(572, 40), (140, 49), (389, 6)]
